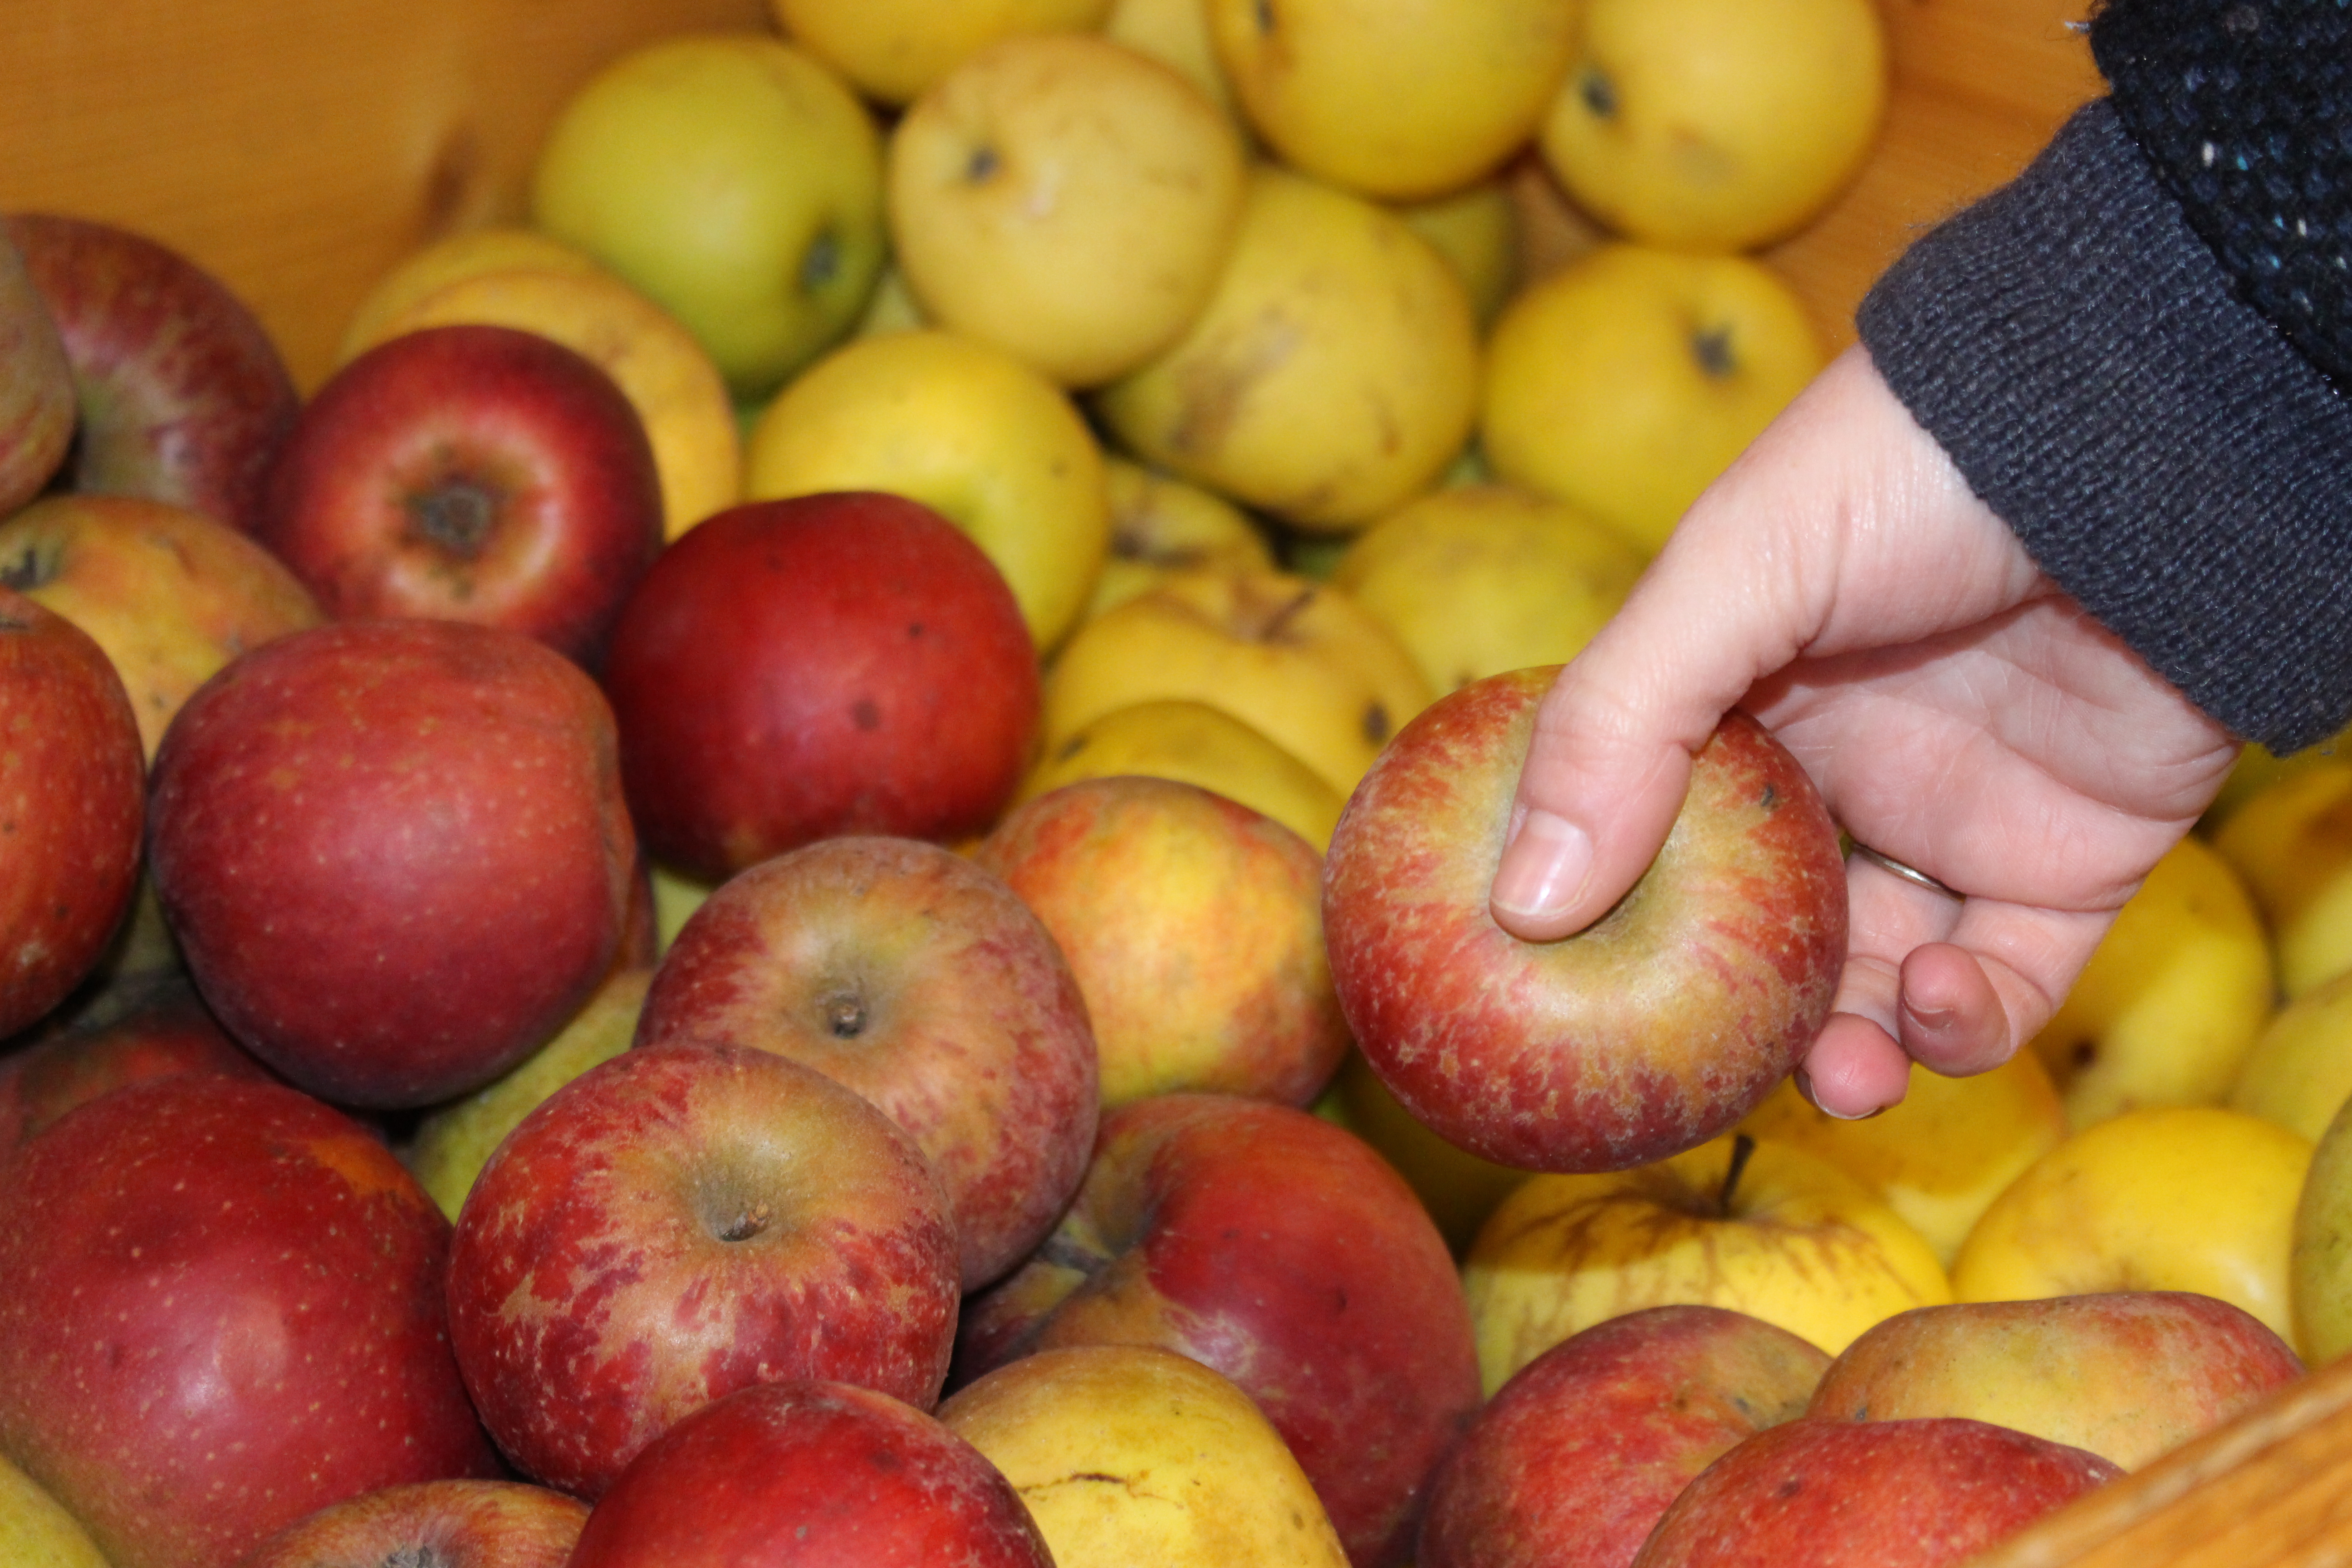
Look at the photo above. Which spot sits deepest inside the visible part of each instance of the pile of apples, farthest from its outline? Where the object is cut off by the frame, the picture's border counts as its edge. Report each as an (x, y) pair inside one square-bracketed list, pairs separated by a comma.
[(799, 876)]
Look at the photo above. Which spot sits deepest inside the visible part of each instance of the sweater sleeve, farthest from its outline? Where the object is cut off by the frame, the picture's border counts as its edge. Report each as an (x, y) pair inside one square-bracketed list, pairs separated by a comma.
[(2168, 455)]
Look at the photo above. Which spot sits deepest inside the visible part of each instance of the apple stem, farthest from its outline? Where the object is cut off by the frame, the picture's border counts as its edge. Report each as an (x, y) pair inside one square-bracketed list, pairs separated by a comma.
[(1742, 1146)]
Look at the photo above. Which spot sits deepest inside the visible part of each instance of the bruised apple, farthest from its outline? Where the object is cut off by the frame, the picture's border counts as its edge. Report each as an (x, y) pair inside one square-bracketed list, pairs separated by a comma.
[(1650, 1032)]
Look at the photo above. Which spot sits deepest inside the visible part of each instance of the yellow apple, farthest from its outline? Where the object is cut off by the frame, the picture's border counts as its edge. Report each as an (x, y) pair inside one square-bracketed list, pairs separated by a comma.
[(1459, 1189), (1476, 229), (2321, 1258), (1394, 97), (36, 1531), (734, 179), (1332, 374), (1176, 34), (1625, 381), (2181, 1197), (1132, 1454), (2291, 842), (501, 248), (2299, 1072), (892, 49), (1160, 524), (1478, 579), (1298, 660), (2172, 1000), (1777, 1233), (967, 429), (1941, 1154), (1715, 124), (1066, 198), (890, 309), (658, 365), (1194, 743)]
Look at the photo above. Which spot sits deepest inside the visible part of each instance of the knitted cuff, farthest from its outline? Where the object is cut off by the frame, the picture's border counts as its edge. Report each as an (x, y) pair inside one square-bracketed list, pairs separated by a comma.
[(2165, 455)]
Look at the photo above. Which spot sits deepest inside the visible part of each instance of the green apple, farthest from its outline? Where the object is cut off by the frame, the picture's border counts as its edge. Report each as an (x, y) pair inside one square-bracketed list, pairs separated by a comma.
[(737, 181), (2299, 1072), (2319, 1281), (36, 1531)]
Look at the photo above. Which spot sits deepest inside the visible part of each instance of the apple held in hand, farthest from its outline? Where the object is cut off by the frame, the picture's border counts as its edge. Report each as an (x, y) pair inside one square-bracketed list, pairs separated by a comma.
[(838, 663), (681, 1221), (223, 1311), (815, 1474), (459, 1523), (1648, 1033), (470, 473), (395, 853), (72, 795), (181, 395)]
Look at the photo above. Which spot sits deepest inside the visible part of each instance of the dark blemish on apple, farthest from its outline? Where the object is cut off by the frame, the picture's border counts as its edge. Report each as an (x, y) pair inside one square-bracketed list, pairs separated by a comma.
[(981, 166), (1598, 93), (845, 1016), (1070, 748), (1770, 799), (1712, 349), (821, 262), (914, 630), (1104, 1477), (865, 715), (1266, 17), (1789, 1488), (1376, 723)]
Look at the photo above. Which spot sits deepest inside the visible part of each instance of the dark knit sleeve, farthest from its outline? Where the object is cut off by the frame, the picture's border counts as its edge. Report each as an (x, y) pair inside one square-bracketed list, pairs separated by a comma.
[(2168, 455)]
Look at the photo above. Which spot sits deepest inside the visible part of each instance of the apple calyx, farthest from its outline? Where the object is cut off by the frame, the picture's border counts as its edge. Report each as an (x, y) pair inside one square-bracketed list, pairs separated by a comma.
[(1743, 1144), (1597, 92), (1711, 347), (35, 566), (455, 515)]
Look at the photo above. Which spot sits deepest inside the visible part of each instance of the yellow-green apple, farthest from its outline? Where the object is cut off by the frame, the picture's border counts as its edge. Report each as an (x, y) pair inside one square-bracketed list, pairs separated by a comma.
[(36, 1531), (2173, 998), (36, 386), (470, 473), (170, 593), (223, 1312), (815, 1472), (1758, 1227), (180, 394), (2291, 843), (919, 979), (1127, 1454), (452, 1141), (965, 428), (499, 248), (1575, 1459), (73, 795), (837, 663), (1477, 579), (1282, 1252), (1710, 126), (737, 182), (1332, 374), (1397, 100), (681, 1221), (1457, 1187), (2320, 1261), (893, 49), (458, 1523), (1625, 381), (165, 1032), (2127, 1374), (1941, 1154), (2192, 1197), (1477, 229), (1193, 925), (1298, 660), (395, 853), (1791, 1495), (1650, 1032), (1176, 34), (1160, 524), (2298, 1072), (1179, 738), (1065, 198)]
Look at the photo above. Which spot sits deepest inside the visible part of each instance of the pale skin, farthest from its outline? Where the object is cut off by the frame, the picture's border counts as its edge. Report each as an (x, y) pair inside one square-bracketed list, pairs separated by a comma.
[(1960, 712)]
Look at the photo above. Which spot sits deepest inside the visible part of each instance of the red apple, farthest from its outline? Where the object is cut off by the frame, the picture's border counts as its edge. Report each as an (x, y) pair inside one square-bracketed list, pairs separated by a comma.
[(792, 670), (473, 473), (1813, 1493), (680, 1222), (72, 796), (1649, 1033), (1280, 1250), (394, 852), (1575, 1459), (182, 396), (460, 1523), (159, 1028), (36, 386), (913, 976), (220, 1309), (816, 1475), (1194, 925)]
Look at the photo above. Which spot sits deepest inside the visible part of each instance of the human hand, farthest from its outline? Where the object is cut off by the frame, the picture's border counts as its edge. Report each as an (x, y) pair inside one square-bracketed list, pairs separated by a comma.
[(1958, 711)]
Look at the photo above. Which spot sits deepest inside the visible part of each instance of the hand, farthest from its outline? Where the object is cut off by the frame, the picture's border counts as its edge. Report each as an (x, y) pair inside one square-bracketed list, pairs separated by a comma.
[(1960, 712)]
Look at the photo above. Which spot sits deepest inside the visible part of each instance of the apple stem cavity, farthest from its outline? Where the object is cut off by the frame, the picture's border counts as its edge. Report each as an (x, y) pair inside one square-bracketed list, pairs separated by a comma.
[(821, 262), (33, 568), (458, 516), (1265, 19), (746, 1223), (844, 1014), (1742, 1146)]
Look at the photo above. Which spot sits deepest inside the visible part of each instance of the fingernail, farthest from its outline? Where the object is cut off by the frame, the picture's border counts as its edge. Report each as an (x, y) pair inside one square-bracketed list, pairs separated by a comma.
[(1544, 867), (1805, 1087)]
